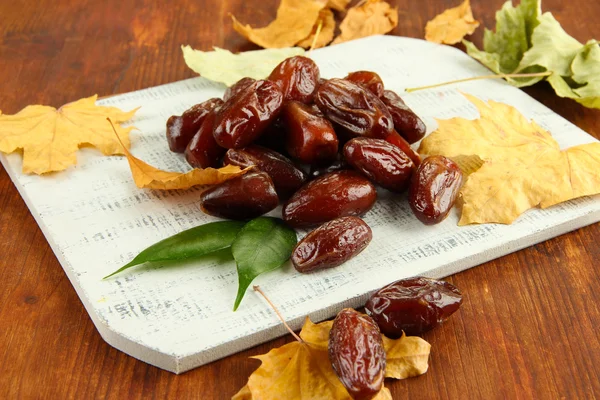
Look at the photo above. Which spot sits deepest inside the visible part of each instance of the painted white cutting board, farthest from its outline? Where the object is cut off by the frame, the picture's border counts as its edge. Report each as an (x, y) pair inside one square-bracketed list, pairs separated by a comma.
[(178, 317)]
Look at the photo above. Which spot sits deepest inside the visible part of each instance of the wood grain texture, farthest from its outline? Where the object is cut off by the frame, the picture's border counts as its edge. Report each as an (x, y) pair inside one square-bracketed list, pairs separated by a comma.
[(528, 327)]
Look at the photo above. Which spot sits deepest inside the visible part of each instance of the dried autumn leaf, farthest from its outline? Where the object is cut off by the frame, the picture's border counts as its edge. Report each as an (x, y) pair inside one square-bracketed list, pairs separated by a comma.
[(146, 176), (524, 166), (294, 22), (406, 357), (50, 138), (451, 26), (327, 22), (338, 5), (374, 17)]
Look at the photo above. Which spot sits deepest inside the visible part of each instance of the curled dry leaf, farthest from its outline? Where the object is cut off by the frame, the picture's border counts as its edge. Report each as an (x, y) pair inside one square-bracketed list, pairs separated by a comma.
[(302, 370), (373, 17), (223, 66), (523, 168), (50, 138), (451, 26), (327, 22), (294, 22)]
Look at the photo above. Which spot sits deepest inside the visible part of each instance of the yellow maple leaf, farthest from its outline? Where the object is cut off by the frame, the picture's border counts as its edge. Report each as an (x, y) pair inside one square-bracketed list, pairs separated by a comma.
[(146, 176), (50, 138), (373, 17), (294, 22), (451, 26), (302, 370), (523, 164), (327, 23)]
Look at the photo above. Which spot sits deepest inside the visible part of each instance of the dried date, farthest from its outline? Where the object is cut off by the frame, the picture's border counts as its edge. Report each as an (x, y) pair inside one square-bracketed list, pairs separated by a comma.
[(398, 141), (368, 79), (203, 151), (298, 78), (331, 244), (406, 122), (286, 177), (434, 189), (357, 354), (380, 161), (243, 197), (413, 305), (181, 129), (337, 194), (243, 117), (238, 87), (355, 109)]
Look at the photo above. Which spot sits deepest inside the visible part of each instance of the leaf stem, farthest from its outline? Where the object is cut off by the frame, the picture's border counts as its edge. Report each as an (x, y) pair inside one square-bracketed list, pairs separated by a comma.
[(317, 33), (259, 290), (497, 76)]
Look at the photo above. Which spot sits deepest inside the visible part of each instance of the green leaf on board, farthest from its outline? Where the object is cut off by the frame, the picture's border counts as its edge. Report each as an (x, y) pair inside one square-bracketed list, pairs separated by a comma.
[(191, 243), (262, 245), (224, 66), (526, 41)]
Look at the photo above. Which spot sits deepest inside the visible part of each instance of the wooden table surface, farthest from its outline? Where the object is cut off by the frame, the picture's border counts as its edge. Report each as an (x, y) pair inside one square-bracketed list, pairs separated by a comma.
[(529, 324)]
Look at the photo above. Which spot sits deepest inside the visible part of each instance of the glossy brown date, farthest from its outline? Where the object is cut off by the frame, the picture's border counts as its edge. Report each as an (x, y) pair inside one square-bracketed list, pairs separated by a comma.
[(243, 117), (381, 162), (310, 136), (368, 79), (406, 122), (203, 151), (286, 177), (181, 129), (331, 196), (434, 189), (355, 109), (238, 87), (298, 78), (357, 354), (413, 305), (331, 244), (243, 197), (398, 141)]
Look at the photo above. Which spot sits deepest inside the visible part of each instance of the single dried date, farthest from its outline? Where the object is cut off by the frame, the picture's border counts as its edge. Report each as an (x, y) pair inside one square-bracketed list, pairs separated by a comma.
[(413, 305), (243, 117), (331, 244), (434, 189), (368, 79), (355, 109), (286, 177), (398, 141), (203, 151), (331, 196), (298, 78), (238, 87), (243, 197), (357, 354), (310, 136), (406, 122), (181, 129), (381, 162)]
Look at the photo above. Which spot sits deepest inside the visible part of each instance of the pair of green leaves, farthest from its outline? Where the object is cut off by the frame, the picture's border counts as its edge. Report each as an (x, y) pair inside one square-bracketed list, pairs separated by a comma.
[(258, 246), (526, 41)]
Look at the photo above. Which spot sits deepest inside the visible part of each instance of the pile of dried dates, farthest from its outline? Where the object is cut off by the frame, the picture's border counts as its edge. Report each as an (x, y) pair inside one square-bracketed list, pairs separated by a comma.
[(318, 145)]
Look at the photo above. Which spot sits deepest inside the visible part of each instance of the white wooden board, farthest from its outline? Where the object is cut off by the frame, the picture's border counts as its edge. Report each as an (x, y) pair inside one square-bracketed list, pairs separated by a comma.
[(178, 317)]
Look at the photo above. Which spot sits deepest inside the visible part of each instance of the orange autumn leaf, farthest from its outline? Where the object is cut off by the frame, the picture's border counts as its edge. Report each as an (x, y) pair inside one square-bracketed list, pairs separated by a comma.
[(294, 22), (521, 166), (50, 138), (302, 370), (373, 17), (451, 26), (327, 23), (338, 5)]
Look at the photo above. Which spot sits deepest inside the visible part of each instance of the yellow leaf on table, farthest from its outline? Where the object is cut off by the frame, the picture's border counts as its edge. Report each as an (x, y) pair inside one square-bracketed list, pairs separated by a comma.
[(406, 357), (50, 138), (523, 164), (146, 176), (374, 17), (327, 22), (451, 26), (294, 22), (338, 5), (302, 371)]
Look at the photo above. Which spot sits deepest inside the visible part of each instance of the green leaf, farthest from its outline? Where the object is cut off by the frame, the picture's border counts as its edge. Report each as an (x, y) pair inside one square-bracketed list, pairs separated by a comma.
[(586, 72), (191, 243), (262, 245), (224, 66)]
